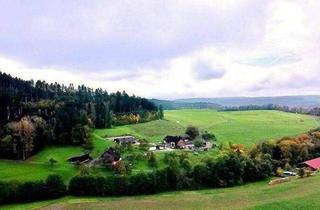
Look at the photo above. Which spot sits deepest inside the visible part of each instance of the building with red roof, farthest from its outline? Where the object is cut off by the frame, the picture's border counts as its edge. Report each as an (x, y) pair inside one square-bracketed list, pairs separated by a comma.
[(313, 164)]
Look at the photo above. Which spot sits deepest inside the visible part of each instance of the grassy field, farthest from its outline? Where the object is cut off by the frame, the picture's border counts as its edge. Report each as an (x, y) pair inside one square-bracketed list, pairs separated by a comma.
[(38, 167), (302, 194), (246, 127)]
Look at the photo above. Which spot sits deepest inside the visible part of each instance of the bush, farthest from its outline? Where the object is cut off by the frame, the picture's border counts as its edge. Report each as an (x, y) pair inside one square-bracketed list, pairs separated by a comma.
[(83, 185), (54, 187), (52, 161), (200, 174), (192, 131), (4, 191), (209, 136), (152, 160), (301, 172)]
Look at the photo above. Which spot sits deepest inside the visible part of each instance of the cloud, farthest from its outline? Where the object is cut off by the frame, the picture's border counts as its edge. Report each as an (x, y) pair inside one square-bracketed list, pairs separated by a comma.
[(103, 35), (166, 49), (271, 60), (204, 71)]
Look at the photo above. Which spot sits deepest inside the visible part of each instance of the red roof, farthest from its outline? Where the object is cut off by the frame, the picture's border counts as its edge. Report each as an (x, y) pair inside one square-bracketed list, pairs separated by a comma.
[(314, 163)]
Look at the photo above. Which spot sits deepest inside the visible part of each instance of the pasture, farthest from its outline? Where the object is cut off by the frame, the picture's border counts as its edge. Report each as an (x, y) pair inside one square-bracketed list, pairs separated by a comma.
[(243, 127), (251, 196), (38, 166)]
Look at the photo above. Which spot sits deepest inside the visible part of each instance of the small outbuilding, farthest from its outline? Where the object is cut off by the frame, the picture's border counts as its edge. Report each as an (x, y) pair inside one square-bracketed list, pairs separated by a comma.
[(314, 164), (80, 159), (124, 139)]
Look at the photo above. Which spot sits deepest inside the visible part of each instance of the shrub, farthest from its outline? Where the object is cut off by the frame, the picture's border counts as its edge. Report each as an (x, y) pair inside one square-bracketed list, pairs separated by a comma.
[(200, 174), (83, 185), (4, 191), (54, 187), (301, 172), (152, 160), (192, 131), (52, 161), (209, 136), (198, 142)]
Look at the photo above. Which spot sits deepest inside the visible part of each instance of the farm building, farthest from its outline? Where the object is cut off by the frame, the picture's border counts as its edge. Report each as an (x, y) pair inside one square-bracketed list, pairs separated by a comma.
[(124, 139), (109, 157), (314, 164), (80, 159), (176, 142)]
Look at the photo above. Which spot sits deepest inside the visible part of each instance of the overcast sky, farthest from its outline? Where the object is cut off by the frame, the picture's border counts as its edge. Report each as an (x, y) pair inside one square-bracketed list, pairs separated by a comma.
[(166, 48)]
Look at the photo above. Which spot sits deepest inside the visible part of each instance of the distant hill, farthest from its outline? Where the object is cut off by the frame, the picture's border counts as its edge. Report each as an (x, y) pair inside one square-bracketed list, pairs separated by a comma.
[(291, 101), (169, 105)]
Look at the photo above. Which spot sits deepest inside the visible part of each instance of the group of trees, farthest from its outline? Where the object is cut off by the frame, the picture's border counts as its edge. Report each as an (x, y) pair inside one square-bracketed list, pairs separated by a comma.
[(36, 113), (287, 152)]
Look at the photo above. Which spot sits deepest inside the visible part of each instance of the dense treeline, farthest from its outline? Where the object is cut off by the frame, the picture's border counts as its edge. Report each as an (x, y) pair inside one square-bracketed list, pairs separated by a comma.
[(301, 110), (174, 105), (14, 191), (33, 114)]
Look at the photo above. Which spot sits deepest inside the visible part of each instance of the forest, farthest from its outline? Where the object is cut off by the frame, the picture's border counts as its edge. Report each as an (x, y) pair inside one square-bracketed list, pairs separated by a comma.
[(35, 114)]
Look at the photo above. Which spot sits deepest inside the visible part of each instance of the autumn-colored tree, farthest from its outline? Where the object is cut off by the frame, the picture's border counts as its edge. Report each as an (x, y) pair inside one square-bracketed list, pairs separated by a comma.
[(84, 170), (238, 148), (24, 130), (120, 168)]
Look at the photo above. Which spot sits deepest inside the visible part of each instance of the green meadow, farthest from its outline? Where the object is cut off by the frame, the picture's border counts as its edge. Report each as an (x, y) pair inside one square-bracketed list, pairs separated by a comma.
[(302, 194), (245, 127)]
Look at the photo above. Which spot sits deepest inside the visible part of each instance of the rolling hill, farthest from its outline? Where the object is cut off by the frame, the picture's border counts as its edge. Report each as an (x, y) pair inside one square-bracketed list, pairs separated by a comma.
[(291, 101)]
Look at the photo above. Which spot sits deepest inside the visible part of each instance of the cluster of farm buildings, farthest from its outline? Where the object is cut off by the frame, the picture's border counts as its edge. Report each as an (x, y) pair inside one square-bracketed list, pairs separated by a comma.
[(110, 156)]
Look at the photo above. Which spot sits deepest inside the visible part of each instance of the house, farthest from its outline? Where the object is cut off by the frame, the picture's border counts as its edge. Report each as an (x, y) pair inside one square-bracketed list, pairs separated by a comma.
[(181, 144), (189, 145), (176, 142), (124, 139), (109, 157), (80, 159), (313, 164), (171, 141)]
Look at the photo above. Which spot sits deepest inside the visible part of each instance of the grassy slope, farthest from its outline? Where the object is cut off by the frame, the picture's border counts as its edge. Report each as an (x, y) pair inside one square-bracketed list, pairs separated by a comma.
[(300, 194), (245, 127), (38, 167)]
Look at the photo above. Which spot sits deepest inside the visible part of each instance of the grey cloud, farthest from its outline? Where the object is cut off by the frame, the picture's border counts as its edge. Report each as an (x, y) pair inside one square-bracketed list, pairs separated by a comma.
[(115, 76), (100, 35), (204, 71), (271, 60)]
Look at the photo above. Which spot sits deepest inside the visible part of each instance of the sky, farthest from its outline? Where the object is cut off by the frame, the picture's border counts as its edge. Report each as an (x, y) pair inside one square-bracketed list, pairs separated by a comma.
[(166, 49)]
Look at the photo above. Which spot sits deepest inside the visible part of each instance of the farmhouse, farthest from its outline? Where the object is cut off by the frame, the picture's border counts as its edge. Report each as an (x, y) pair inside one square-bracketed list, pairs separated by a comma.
[(109, 157), (176, 142), (313, 164), (80, 159), (124, 139)]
